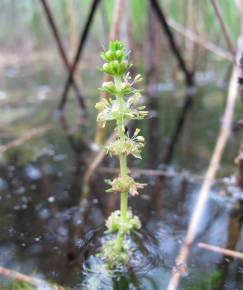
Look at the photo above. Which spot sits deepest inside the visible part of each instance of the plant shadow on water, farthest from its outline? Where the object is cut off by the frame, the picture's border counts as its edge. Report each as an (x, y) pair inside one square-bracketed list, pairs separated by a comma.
[(44, 231), (143, 257)]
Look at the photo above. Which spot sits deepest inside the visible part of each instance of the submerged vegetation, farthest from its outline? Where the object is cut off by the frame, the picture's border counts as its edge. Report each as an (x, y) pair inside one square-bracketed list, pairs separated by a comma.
[(121, 107), (15, 285)]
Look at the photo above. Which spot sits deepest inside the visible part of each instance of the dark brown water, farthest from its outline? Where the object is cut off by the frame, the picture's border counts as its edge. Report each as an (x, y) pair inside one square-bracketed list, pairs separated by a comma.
[(44, 231)]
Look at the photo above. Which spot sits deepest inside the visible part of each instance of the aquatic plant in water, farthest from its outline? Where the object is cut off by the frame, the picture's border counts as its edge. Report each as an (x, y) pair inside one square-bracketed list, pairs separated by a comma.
[(121, 107), (16, 285)]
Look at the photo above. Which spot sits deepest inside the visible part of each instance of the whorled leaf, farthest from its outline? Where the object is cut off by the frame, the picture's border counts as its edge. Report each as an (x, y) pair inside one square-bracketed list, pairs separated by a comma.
[(127, 146), (127, 184), (115, 223)]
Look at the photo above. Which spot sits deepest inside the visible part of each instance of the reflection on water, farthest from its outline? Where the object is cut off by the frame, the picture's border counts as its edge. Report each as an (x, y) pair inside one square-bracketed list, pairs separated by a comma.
[(44, 231)]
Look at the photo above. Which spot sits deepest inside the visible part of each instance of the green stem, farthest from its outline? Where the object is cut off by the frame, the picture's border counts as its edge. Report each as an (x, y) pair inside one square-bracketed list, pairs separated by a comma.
[(123, 157), (124, 195)]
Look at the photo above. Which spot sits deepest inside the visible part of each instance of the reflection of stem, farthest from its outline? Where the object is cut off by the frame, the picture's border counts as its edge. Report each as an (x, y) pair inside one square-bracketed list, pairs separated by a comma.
[(32, 133), (180, 124)]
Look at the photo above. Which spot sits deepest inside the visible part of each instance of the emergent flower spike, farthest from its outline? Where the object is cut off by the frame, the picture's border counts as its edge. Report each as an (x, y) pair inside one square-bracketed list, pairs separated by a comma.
[(121, 106)]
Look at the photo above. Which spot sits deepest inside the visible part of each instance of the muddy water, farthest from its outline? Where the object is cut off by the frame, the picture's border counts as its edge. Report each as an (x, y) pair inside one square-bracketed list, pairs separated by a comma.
[(44, 231)]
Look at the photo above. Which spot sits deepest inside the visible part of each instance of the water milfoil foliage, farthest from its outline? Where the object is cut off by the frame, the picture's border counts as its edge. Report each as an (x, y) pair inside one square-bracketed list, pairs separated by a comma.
[(121, 107)]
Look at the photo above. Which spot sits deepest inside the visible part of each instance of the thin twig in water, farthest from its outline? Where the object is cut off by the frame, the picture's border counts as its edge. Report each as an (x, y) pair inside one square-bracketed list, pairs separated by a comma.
[(13, 275), (220, 250), (150, 172), (94, 164), (157, 172), (34, 132)]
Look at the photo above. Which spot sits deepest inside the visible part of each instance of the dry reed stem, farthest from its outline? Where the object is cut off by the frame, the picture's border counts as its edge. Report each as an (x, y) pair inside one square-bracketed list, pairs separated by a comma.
[(209, 179), (239, 5), (225, 31), (34, 132), (220, 250), (187, 33)]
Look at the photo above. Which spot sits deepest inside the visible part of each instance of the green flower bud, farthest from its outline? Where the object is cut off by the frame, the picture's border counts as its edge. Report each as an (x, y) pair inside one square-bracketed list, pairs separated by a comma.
[(109, 55), (106, 67), (116, 65), (116, 45), (119, 55), (124, 67)]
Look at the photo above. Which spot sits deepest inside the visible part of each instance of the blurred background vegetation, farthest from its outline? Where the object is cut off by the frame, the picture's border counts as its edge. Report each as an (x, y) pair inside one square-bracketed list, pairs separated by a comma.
[(30, 33), (27, 43)]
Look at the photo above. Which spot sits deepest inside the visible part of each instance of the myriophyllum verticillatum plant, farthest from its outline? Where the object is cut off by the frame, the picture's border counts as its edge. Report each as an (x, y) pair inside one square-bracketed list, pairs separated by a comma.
[(121, 107)]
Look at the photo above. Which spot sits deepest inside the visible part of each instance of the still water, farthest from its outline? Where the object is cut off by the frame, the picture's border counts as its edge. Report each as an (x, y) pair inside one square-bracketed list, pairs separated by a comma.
[(44, 231)]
